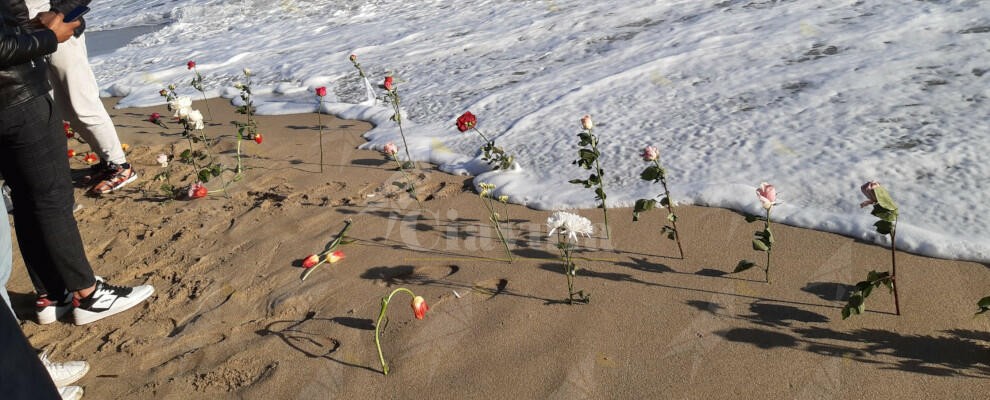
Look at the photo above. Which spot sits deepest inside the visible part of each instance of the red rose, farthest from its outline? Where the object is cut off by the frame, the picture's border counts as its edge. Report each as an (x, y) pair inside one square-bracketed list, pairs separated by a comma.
[(388, 83), (91, 158), (191, 64), (257, 138), (466, 121), (321, 91), (72, 153), (419, 307), (154, 117), (67, 129)]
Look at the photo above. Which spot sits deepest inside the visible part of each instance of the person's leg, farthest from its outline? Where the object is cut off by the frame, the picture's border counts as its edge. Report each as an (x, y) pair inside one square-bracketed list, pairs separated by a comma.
[(6, 256), (22, 376), (32, 159), (78, 97)]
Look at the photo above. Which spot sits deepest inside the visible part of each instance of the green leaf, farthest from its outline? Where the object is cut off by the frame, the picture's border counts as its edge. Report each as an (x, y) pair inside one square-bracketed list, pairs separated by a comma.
[(759, 245), (753, 218), (884, 200), (665, 202), (672, 217), (204, 175), (400, 185), (883, 213), (651, 173), (643, 205), (768, 236), (884, 227), (984, 305), (579, 182), (670, 232), (594, 179), (600, 193), (588, 156), (743, 265)]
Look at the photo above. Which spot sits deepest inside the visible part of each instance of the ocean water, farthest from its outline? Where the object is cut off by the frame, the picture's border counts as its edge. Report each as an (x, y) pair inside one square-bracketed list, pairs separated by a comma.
[(814, 96)]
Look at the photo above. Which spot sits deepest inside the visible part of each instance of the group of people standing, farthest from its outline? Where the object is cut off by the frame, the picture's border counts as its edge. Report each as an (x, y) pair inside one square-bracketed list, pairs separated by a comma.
[(45, 78)]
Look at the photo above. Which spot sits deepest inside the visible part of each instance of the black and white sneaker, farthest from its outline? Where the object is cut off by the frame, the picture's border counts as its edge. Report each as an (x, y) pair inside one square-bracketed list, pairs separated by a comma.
[(107, 300), (49, 311)]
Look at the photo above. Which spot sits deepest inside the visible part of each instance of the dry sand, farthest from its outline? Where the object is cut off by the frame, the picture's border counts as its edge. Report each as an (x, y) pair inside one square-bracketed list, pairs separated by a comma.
[(231, 318)]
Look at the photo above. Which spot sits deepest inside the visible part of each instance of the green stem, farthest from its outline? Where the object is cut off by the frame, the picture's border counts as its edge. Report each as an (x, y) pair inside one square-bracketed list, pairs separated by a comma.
[(333, 246), (769, 248), (378, 325), (482, 134), (601, 180), (670, 208), (409, 182), (893, 266), (239, 167), (492, 216), (203, 92), (398, 120), (319, 118)]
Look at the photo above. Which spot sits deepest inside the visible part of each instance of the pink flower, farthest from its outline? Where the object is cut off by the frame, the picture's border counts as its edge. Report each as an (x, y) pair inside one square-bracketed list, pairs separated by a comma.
[(868, 189), (321, 91), (311, 261), (767, 195), (191, 64), (197, 190), (650, 153), (419, 307), (586, 122), (390, 149), (388, 83), (154, 117)]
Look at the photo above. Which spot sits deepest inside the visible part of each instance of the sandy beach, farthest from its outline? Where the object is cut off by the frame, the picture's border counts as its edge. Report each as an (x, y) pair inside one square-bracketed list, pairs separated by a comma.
[(232, 319)]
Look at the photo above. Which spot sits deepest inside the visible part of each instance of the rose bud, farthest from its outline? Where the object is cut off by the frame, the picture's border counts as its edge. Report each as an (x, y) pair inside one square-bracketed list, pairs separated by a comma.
[(419, 307), (650, 153), (353, 57), (466, 121), (163, 92), (154, 117), (868, 189), (767, 195), (71, 153), (197, 190), (586, 122), (311, 261), (258, 138), (191, 64), (388, 83), (390, 149), (247, 71), (321, 91), (171, 87), (335, 256)]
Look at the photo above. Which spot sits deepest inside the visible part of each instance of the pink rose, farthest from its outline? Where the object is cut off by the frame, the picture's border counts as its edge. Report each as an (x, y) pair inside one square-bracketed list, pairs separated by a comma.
[(767, 195), (388, 83), (321, 91), (868, 189), (586, 122), (650, 153), (390, 149), (191, 64)]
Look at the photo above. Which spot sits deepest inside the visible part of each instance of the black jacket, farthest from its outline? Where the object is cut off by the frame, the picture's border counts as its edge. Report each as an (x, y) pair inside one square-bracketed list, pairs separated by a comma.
[(23, 71)]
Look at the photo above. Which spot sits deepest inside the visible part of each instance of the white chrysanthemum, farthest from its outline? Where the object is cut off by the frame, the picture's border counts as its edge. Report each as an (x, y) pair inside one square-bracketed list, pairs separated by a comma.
[(569, 224), (195, 120)]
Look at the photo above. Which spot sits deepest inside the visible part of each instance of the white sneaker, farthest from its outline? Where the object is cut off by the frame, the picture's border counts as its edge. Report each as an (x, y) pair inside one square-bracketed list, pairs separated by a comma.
[(64, 373), (107, 300), (49, 311), (70, 392)]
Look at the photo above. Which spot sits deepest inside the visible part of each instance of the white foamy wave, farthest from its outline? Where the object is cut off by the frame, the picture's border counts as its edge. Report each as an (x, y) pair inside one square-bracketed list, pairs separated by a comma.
[(814, 96)]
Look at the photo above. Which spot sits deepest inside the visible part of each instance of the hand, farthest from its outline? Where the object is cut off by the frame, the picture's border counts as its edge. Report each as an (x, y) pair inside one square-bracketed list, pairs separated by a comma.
[(53, 20)]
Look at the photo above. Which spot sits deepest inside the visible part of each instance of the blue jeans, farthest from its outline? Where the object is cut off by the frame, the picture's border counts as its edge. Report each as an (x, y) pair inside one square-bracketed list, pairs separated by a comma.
[(33, 161), (6, 258)]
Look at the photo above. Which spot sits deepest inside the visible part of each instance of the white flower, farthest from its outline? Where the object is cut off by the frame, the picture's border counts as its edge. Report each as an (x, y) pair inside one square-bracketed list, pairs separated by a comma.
[(570, 224), (181, 105), (247, 71), (194, 120), (162, 160)]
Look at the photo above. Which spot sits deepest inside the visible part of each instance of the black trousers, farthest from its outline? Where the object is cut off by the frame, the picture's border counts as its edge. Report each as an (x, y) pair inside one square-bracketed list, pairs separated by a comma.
[(21, 374), (33, 161)]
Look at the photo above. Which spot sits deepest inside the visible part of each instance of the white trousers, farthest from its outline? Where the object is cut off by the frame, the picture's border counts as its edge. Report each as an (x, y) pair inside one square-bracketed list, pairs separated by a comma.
[(77, 95)]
